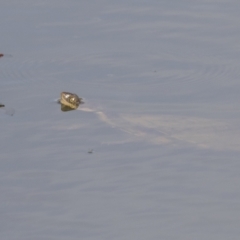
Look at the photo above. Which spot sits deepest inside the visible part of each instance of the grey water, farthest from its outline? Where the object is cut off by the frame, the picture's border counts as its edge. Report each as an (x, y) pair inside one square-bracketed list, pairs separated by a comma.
[(154, 151)]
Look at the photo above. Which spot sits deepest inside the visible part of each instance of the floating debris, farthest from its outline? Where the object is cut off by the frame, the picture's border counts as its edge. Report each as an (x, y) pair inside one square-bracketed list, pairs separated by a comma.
[(2, 105), (90, 151), (5, 55)]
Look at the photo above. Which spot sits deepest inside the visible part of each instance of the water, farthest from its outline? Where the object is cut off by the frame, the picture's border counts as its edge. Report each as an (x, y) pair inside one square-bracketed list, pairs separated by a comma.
[(153, 152)]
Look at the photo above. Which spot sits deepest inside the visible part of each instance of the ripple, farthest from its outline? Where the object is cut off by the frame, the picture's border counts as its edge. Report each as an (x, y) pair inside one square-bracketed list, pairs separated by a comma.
[(18, 70), (121, 69), (176, 71), (15, 71)]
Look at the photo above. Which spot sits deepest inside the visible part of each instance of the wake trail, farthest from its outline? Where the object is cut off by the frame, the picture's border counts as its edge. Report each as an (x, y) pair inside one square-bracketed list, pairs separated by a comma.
[(111, 122), (134, 130)]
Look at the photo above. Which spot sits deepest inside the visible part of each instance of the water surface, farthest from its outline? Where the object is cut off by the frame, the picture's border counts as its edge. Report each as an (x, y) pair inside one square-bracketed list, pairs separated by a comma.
[(160, 81)]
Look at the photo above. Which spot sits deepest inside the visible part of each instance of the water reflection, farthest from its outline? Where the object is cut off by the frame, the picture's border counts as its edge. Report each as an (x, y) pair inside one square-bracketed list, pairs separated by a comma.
[(65, 108)]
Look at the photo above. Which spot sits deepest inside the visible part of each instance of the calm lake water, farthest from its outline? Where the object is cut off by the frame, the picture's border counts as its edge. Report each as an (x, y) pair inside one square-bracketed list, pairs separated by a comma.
[(154, 151)]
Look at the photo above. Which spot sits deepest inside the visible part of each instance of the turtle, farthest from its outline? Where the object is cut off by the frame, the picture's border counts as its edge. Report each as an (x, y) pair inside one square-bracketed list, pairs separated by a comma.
[(69, 101)]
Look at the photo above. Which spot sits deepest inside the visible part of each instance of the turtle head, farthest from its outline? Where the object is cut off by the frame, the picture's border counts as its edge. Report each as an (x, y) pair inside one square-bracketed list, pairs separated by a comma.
[(70, 100)]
